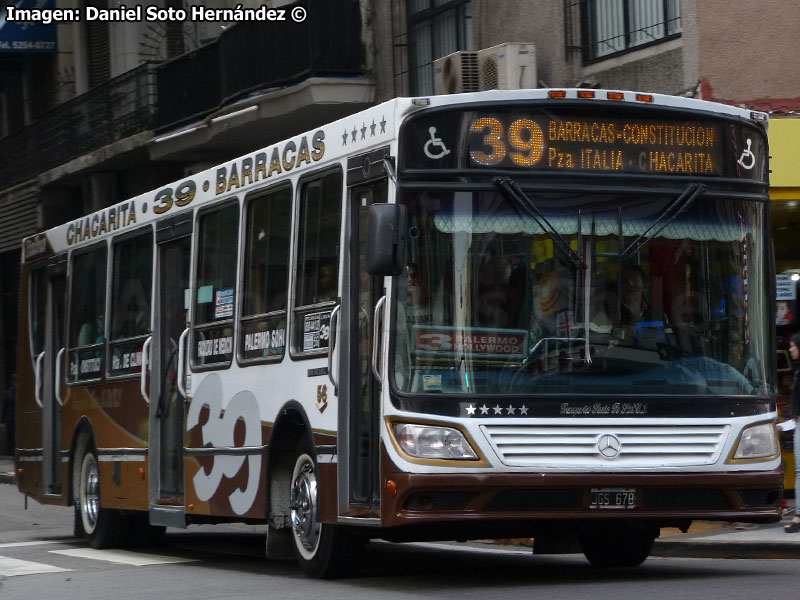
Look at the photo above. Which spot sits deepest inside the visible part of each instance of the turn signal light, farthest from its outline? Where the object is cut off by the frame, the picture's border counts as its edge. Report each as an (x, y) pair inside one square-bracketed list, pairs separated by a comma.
[(557, 94), (644, 97), (615, 96), (391, 487), (585, 94)]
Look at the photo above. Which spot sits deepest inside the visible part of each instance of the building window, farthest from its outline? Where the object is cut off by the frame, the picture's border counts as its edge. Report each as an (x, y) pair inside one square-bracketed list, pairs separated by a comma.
[(436, 28), (613, 26)]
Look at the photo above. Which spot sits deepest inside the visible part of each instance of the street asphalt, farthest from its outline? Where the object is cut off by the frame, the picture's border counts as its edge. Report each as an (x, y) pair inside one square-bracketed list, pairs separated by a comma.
[(703, 540)]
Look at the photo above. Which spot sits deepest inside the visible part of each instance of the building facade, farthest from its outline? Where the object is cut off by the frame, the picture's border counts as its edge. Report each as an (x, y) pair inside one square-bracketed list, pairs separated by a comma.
[(118, 108)]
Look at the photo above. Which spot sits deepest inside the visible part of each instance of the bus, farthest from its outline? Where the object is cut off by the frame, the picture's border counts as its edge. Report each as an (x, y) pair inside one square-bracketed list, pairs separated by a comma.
[(540, 313)]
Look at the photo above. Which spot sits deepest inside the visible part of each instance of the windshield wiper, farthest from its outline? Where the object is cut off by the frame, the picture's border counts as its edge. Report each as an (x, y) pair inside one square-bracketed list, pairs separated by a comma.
[(514, 192), (676, 207)]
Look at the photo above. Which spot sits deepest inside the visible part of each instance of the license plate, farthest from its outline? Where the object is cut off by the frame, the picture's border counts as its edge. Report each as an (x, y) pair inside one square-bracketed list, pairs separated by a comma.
[(613, 498)]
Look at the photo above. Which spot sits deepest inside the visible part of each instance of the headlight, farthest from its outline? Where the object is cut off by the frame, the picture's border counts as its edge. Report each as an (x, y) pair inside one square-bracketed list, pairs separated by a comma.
[(429, 441), (758, 441)]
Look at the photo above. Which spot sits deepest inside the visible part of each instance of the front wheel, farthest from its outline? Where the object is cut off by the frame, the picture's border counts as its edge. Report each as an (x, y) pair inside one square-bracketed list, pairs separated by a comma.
[(323, 550), (102, 527), (622, 545)]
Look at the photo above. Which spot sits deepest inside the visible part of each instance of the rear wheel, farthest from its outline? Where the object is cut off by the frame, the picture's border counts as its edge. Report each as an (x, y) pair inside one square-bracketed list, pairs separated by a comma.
[(624, 545), (102, 527), (323, 550)]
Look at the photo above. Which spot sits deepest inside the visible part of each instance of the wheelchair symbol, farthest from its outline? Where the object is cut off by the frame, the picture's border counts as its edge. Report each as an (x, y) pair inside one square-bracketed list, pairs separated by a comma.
[(435, 141), (747, 160)]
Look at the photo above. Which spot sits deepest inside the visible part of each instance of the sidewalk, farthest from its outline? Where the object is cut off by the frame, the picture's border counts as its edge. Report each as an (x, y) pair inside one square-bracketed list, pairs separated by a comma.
[(704, 539), (724, 540)]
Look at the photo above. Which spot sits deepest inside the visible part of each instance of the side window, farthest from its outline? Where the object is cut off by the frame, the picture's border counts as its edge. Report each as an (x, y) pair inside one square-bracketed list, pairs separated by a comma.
[(217, 247), (317, 279), (130, 303), (38, 300), (87, 314), (266, 276)]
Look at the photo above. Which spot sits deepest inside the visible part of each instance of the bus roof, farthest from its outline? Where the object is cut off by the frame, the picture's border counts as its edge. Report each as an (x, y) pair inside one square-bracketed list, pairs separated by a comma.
[(291, 158)]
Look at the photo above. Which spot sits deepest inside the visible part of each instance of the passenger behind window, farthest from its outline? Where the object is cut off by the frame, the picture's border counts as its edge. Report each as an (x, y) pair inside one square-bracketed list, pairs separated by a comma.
[(689, 323), (418, 307), (639, 322), (495, 296), (552, 315), (91, 332), (326, 283), (134, 319)]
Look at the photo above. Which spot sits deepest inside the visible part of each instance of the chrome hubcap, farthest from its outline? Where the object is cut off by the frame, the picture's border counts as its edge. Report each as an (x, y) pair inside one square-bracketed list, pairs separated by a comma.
[(90, 493), (304, 505)]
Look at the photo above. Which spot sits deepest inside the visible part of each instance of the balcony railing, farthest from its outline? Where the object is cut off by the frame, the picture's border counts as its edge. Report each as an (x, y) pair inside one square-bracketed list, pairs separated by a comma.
[(257, 55), (247, 57), (118, 108)]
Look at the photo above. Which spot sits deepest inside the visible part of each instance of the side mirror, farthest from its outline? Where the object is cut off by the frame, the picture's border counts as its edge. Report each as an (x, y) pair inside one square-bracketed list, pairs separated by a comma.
[(386, 239)]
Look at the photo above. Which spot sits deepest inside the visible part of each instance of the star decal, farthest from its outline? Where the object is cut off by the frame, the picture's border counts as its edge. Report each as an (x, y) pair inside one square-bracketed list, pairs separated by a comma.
[(471, 409), (523, 410), (372, 128), (498, 410), (344, 138), (484, 409), (383, 124), (363, 131), (511, 409), (354, 133)]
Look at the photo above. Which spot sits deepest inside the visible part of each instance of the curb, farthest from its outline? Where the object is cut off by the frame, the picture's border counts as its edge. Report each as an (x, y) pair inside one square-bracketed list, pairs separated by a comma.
[(6, 477), (771, 550)]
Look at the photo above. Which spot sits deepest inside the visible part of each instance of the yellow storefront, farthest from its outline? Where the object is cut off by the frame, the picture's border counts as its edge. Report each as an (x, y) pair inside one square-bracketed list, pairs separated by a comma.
[(784, 138)]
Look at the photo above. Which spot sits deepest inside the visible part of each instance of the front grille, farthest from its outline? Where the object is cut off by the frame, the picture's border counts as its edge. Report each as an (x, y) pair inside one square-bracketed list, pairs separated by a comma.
[(575, 446)]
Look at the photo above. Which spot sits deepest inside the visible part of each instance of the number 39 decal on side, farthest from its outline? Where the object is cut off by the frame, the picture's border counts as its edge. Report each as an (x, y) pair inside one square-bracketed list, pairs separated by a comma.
[(181, 196)]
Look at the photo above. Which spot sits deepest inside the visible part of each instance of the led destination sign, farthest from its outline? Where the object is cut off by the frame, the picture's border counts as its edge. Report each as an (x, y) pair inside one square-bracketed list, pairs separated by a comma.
[(596, 144), (546, 140)]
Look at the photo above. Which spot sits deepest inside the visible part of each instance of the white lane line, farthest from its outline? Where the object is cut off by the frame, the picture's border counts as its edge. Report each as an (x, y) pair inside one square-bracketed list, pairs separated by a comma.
[(10, 567), (123, 557), (39, 543)]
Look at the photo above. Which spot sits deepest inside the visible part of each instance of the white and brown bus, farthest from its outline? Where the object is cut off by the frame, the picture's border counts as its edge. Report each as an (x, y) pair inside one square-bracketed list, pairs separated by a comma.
[(542, 313)]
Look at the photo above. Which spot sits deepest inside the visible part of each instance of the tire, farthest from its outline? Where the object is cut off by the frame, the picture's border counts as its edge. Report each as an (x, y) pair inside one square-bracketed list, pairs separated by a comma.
[(323, 551), (612, 546), (102, 527)]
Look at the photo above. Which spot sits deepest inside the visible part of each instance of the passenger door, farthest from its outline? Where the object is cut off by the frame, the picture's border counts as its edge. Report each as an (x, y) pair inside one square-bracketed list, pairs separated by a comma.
[(359, 419), (53, 371), (167, 399)]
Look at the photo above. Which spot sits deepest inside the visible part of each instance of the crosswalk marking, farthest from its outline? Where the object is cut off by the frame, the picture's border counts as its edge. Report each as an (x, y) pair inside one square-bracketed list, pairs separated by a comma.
[(123, 557), (38, 543), (11, 567)]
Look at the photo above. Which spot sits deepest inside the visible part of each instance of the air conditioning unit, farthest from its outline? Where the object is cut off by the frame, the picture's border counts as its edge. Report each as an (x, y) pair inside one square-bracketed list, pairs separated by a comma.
[(510, 66), (456, 73)]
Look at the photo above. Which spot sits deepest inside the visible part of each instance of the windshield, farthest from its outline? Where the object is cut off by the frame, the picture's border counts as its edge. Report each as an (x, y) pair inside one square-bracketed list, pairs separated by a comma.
[(666, 298)]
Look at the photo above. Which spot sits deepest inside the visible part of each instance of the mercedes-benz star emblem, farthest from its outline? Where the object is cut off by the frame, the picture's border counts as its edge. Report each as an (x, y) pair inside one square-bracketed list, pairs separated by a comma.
[(609, 445)]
